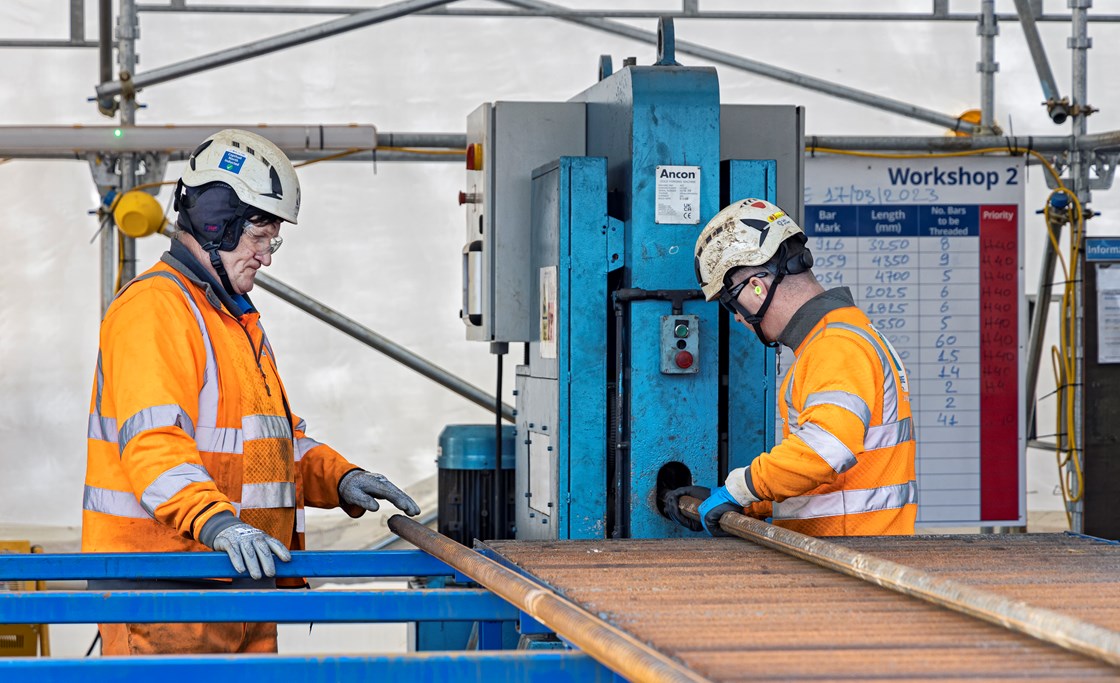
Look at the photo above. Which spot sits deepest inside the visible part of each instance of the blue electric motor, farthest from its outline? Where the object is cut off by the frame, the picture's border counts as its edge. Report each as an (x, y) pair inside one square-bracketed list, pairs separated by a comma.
[(466, 483)]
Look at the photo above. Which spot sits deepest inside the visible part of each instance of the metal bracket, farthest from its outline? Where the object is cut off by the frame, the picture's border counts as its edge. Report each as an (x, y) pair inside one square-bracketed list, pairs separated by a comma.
[(1102, 169), (106, 170), (606, 66), (666, 43)]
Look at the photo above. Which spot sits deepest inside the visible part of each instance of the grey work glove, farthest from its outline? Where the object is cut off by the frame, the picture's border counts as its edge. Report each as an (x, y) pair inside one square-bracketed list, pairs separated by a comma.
[(672, 506), (246, 545), (362, 488)]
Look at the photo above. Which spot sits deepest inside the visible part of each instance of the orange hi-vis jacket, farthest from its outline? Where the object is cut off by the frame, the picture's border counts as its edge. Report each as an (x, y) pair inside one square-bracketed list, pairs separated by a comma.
[(845, 466), (188, 419)]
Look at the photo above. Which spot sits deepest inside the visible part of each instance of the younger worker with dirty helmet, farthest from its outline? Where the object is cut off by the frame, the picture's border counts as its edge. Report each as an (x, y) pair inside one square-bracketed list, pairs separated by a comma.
[(845, 465), (192, 443)]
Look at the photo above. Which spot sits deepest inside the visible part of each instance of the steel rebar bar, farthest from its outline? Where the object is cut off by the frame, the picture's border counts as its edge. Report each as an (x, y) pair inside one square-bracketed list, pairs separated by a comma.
[(614, 648), (1043, 624)]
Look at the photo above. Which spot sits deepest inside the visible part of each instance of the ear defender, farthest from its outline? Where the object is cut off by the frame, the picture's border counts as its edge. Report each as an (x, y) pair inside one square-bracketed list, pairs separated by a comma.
[(758, 290)]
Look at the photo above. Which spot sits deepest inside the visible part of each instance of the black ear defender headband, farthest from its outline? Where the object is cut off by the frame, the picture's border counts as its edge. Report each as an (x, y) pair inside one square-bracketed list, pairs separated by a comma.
[(793, 257), (213, 214)]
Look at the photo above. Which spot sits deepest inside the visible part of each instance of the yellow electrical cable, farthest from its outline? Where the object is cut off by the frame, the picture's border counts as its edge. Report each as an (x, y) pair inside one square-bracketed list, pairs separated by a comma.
[(1063, 356)]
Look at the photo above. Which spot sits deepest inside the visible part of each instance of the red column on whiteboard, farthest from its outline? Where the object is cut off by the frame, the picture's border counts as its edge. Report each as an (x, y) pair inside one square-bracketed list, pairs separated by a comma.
[(999, 363)]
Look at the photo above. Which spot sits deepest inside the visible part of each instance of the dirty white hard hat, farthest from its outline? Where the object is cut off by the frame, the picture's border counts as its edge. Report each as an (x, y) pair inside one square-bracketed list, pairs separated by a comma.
[(745, 233)]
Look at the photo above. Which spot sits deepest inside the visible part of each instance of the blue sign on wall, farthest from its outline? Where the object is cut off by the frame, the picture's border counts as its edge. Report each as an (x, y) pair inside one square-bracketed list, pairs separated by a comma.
[(1102, 248)]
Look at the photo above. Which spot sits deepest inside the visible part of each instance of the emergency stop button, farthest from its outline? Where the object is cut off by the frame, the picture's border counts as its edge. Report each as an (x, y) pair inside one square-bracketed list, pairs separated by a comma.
[(684, 360)]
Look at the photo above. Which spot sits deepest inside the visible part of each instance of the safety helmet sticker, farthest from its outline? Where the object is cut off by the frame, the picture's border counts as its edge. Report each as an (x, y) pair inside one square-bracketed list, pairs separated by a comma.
[(231, 161)]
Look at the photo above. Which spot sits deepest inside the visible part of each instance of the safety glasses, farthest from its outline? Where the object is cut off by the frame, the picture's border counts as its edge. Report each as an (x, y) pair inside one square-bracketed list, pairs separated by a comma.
[(729, 294), (263, 244)]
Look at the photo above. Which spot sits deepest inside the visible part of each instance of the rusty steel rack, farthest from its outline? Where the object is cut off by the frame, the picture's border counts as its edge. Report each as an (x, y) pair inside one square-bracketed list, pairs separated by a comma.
[(732, 610)]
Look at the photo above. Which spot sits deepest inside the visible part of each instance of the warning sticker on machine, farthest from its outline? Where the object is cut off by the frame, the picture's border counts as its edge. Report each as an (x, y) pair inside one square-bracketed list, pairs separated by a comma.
[(548, 311), (678, 194)]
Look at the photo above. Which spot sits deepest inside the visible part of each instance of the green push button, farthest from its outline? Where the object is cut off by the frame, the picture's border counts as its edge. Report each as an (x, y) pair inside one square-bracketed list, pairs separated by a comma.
[(681, 331)]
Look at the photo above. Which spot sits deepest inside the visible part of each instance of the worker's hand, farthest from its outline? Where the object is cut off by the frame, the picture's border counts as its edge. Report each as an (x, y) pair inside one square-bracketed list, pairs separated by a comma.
[(671, 501), (248, 546), (713, 508), (362, 488)]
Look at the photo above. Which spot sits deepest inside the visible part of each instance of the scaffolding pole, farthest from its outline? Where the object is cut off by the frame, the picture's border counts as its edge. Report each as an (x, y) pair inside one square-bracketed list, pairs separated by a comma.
[(987, 29), (269, 45), (1079, 44), (763, 69)]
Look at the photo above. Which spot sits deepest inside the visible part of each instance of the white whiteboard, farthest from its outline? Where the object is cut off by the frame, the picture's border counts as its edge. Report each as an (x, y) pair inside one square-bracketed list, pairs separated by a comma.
[(932, 251)]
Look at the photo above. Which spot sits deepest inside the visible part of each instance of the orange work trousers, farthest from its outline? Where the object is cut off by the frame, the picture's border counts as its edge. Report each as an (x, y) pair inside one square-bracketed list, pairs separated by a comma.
[(184, 639)]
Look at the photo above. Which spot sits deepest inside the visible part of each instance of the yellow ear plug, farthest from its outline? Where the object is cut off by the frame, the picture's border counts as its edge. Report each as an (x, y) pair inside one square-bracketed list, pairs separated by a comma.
[(758, 290)]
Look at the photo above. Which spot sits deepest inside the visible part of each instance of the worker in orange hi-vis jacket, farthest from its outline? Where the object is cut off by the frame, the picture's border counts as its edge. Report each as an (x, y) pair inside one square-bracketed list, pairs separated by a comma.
[(845, 465), (192, 442)]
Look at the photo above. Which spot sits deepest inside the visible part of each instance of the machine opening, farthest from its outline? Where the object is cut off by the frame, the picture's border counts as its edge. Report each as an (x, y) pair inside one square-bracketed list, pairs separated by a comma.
[(672, 475)]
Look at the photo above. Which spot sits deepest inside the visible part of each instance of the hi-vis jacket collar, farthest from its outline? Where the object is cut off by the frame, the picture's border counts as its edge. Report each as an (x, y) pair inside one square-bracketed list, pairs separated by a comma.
[(806, 318), (183, 261)]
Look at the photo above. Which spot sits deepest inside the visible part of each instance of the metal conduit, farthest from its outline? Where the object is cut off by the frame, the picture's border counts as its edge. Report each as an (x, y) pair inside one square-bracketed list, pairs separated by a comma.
[(1045, 625), (612, 647), (386, 346), (1038, 53)]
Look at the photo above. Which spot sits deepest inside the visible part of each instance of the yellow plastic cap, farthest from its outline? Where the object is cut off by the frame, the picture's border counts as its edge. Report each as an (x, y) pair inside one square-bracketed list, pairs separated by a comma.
[(138, 214)]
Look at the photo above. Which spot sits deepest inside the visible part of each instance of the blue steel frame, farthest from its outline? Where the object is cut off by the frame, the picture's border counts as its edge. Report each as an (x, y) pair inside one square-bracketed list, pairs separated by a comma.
[(751, 368), (286, 606), (640, 118)]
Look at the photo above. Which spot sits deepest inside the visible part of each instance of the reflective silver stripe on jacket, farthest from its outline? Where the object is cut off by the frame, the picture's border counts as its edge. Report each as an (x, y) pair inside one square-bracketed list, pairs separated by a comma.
[(110, 502), (850, 402), (172, 482), (280, 494), (304, 444), (266, 427), (219, 440), (106, 429), (893, 434), (850, 502), (300, 521), (890, 391), (101, 428), (825, 444), (169, 415)]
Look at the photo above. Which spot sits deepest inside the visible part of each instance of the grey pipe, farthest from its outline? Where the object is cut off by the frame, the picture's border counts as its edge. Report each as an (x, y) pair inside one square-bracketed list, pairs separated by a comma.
[(686, 13), (988, 29), (268, 45), (1014, 615), (1038, 55), (762, 69), (1038, 324), (1039, 143), (128, 31), (77, 22), (386, 346)]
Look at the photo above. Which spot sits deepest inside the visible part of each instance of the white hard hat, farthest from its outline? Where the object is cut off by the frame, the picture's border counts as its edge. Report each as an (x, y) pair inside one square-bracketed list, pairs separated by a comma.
[(260, 174), (746, 233)]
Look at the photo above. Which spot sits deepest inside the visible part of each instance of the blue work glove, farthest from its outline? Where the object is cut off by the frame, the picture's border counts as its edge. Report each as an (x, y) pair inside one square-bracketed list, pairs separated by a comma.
[(737, 493), (247, 546), (712, 509), (671, 504), (361, 488)]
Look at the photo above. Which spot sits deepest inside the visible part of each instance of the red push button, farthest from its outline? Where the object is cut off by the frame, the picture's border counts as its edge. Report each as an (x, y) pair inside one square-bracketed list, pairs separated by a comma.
[(684, 360)]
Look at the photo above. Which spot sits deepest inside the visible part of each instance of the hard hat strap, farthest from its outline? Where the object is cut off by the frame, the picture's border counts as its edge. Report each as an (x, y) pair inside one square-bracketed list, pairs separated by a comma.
[(755, 319), (220, 269)]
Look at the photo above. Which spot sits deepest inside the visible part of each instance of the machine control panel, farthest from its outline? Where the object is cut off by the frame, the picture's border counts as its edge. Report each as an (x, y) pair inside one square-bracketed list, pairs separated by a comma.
[(680, 344)]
